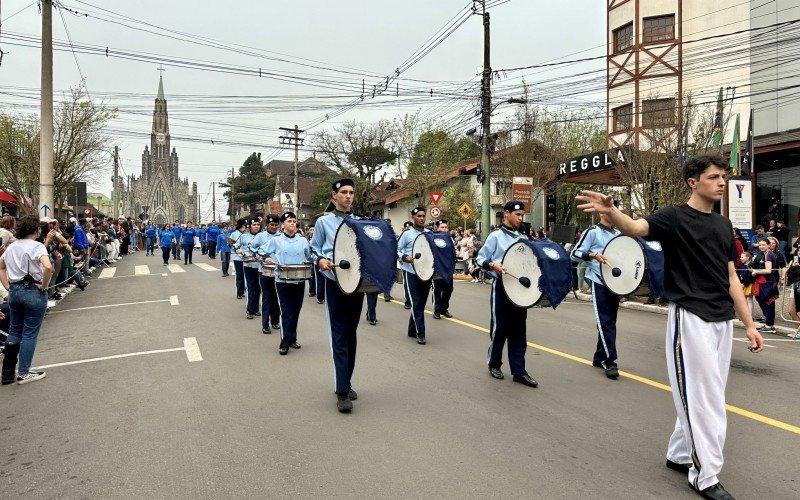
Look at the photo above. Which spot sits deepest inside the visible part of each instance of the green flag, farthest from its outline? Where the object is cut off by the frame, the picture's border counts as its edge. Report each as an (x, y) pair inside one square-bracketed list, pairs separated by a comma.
[(716, 133), (735, 149)]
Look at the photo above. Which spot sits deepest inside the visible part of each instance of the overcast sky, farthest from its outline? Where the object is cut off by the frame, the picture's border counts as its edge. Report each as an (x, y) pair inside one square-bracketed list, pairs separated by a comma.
[(336, 43)]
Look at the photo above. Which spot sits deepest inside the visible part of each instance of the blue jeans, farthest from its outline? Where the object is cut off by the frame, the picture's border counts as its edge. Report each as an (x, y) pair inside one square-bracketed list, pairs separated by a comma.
[(225, 259), (149, 245), (134, 242), (28, 306)]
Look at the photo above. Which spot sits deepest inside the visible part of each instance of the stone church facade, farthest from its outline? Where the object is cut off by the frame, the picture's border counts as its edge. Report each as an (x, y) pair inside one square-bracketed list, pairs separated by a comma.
[(159, 193)]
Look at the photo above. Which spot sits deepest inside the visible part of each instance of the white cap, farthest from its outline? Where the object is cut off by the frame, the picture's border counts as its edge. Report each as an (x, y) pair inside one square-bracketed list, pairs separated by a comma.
[(73, 219)]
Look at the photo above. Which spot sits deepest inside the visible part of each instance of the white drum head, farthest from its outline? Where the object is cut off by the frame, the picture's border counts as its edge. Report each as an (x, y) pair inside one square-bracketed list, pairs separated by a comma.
[(520, 261), (344, 248), (423, 266), (627, 259)]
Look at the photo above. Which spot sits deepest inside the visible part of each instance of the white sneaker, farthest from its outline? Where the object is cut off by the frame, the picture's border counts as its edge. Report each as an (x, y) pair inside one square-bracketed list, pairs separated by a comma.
[(30, 377)]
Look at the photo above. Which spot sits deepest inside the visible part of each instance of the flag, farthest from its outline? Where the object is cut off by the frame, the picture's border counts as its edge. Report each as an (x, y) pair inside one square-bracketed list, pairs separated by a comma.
[(736, 147), (747, 157), (716, 133)]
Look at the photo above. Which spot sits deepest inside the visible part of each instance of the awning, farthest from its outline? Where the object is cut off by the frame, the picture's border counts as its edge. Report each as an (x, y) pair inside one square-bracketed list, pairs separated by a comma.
[(7, 198)]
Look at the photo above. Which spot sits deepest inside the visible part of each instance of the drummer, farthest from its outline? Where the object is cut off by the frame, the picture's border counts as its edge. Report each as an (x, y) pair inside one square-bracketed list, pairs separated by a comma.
[(416, 289), (250, 268), (271, 314), (606, 303), (507, 319), (442, 290), (407, 304), (343, 311), (288, 248)]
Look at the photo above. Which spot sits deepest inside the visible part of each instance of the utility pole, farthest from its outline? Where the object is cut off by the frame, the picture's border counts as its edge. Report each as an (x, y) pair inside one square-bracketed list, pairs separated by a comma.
[(486, 119), (233, 197), (213, 199), (46, 137), (115, 195), (295, 140)]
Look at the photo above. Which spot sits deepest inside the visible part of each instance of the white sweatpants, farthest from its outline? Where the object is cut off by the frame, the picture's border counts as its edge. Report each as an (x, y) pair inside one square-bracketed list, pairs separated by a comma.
[(698, 360)]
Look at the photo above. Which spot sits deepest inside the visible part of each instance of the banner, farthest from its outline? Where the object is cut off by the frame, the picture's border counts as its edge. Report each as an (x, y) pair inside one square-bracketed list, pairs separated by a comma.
[(521, 190), (288, 201), (740, 203)]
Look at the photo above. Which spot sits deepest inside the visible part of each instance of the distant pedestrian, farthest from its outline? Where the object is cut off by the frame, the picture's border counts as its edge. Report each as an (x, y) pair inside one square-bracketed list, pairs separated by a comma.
[(166, 242)]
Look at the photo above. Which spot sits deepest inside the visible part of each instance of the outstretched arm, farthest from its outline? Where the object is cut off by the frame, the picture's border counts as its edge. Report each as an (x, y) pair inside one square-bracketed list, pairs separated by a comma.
[(599, 203)]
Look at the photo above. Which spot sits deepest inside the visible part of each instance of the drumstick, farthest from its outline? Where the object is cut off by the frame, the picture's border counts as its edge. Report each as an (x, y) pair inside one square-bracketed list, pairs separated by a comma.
[(526, 282), (615, 271), (344, 264)]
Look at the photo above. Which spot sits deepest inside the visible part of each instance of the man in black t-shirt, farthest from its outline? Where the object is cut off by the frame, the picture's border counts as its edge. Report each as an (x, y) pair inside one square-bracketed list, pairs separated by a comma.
[(704, 290)]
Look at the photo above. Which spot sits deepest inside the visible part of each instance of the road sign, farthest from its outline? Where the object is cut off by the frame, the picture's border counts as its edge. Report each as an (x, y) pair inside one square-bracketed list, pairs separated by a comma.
[(436, 196), (435, 212), (87, 211), (521, 190), (465, 211)]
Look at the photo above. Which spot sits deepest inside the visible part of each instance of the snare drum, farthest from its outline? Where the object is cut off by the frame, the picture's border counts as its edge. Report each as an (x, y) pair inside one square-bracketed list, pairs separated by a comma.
[(268, 270), (295, 271)]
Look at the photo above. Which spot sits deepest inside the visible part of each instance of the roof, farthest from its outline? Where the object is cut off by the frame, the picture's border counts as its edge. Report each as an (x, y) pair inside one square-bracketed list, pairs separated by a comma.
[(308, 167)]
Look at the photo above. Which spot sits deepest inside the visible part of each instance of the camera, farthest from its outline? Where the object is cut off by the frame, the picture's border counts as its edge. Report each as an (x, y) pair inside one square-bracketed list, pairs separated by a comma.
[(28, 281)]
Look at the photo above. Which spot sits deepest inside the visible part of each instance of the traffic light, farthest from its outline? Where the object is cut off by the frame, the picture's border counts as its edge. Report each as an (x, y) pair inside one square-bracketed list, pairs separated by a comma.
[(481, 176), (550, 201)]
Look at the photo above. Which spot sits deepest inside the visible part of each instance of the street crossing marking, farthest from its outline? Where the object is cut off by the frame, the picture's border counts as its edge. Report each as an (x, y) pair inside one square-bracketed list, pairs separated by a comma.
[(173, 300), (189, 346), (644, 380), (108, 272), (176, 268), (206, 267), (141, 270)]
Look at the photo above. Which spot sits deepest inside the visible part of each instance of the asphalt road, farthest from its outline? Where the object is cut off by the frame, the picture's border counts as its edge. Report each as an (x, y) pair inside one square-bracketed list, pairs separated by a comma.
[(429, 422)]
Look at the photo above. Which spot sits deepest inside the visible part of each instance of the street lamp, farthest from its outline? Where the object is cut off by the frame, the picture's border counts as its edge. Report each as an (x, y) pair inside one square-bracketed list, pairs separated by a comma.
[(486, 198)]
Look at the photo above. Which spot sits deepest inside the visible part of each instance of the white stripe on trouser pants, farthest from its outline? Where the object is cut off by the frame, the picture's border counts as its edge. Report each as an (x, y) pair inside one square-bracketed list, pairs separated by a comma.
[(599, 325), (492, 322), (698, 360), (410, 298)]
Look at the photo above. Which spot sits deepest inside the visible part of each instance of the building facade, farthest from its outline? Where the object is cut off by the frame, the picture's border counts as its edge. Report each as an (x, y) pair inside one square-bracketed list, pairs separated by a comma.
[(159, 193)]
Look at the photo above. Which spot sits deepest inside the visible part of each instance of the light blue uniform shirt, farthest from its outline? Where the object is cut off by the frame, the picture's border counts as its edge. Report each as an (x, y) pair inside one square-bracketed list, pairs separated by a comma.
[(285, 250), (593, 240), (259, 244), (495, 246), (405, 246), (245, 244), (235, 235), (324, 235)]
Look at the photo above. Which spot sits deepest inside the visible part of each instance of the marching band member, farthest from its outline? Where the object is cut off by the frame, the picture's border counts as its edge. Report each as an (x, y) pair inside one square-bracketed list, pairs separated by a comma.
[(343, 311), (416, 289), (271, 314), (251, 270), (238, 265), (288, 248), (407, 304), (507, 320), (442, 290), (606, 303)]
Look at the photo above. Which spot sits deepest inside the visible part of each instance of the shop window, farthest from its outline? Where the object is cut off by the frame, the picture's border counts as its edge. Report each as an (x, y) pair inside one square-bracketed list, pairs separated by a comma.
[(623, 118), (658, 113), (658, 28), (623, 37)]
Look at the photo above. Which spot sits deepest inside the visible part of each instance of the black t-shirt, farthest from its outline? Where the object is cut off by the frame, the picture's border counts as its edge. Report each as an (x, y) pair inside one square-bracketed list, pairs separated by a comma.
[(697, 248), (781, 233)]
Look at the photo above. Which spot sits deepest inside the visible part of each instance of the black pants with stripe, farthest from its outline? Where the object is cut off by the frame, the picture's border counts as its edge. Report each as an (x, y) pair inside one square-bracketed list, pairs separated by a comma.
[(343, 314), (251, 276), (372, 306), (270, 312), (290, 301), (238, 267), (442, 291), (606, 306), (418, 291), (507, 324)]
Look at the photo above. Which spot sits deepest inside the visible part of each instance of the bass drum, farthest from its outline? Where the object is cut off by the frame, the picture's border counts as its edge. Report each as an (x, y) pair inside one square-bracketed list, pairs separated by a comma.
[(344, 248), (423, 267), (626, 259), (520, 260)]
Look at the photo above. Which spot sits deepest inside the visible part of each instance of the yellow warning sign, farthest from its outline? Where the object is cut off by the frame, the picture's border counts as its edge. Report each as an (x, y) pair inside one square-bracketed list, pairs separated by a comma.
[(465, 211)]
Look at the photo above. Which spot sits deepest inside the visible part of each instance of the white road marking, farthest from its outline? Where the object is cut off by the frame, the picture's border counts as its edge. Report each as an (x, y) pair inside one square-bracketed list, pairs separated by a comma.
[(164, 274), (116, 356), (116, 305), (108, 272), (176, 268), (141, 270), (173, 300), (765, 341), (206, 267), (192, 349)]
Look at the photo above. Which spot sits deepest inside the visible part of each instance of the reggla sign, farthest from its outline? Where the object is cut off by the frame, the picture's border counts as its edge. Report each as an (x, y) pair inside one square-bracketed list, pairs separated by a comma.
[(593, 162)]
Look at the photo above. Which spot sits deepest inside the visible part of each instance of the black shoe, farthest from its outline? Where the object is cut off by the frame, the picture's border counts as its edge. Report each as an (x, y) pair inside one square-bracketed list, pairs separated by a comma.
[(320, 301), (663, 302), (343, 403), (10, 354), (526, 380), (387, 298), (284, 350), (266, 331), (437, 316), (413, 335), (256, 313), (353, 395), (612, 372), (295, 345), (249, 316), (715, 492), (682, 468), (83, 285), (421, 340), (407, 306), (240, 297), (650, 301), (496, 373), (312, 294), (598, 364), (447, 314), (372, 322), (58, 296), (274, 327)]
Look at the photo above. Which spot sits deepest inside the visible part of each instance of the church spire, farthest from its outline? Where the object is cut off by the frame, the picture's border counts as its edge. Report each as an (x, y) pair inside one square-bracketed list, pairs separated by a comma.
[(160, 89)]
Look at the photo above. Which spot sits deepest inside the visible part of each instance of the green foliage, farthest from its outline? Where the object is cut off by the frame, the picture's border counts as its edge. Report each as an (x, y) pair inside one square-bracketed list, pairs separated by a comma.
[(368, 158), (251, 186), (437, 150), (455, 195)]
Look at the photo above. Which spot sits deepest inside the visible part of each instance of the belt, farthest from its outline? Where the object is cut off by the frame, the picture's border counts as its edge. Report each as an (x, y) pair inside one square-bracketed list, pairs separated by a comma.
[(22, 281)]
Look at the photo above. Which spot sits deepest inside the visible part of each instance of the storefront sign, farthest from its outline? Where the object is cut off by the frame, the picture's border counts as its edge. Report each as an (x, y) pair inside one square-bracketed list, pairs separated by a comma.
[(740, 203), (521, 188), (594, 162)]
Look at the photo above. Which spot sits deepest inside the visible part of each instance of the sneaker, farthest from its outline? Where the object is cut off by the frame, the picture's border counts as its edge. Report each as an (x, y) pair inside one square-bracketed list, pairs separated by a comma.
[(30, 377), (612, 372), (794, 335), (343, 403), (769, 329)]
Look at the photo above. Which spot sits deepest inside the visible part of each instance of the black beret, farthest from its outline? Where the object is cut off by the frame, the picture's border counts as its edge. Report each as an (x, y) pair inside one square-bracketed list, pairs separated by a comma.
[(273, 218), (415, 211), (514, 205), (288, 215), (336, 186), (440, 222), (408, 223), (253, 220)]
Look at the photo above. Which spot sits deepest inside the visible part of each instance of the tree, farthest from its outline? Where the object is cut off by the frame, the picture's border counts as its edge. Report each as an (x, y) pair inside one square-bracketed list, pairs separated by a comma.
[(19, 159), (455, 195), (251, 187)]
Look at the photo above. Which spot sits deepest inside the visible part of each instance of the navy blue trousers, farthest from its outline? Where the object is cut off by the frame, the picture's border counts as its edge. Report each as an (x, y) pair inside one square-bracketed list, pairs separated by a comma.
[(507, 324), (251, 277), (343, 314), (270, 312), (442, 291), (372, 306), (290, 301), (320, 283), (606, 305), (417, 291), (238, 267)]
